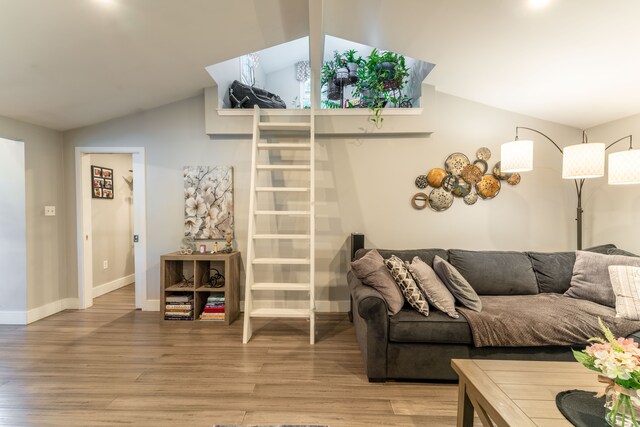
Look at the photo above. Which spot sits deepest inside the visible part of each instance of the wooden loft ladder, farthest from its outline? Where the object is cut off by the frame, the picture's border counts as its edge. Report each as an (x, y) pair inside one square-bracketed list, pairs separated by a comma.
[(271, 139)]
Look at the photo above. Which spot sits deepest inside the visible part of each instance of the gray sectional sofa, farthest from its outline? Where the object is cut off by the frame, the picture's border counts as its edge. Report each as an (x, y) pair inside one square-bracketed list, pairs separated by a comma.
[(408, 345)]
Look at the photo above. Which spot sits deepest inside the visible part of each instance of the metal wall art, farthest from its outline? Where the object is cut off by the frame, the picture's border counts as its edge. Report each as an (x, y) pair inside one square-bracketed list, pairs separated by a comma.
[(463, 179)]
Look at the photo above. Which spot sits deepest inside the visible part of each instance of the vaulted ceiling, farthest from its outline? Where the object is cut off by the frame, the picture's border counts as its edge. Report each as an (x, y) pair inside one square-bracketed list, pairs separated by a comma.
[(72, 63)]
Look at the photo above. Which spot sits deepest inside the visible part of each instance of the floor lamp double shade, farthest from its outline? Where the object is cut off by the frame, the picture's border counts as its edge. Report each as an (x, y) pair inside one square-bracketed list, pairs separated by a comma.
[(579, 162)]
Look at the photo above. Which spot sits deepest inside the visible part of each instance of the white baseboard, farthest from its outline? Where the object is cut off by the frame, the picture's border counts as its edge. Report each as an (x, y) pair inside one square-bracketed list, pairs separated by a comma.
[(322, 306), (51, 308), (13, 317), (105, 288), (152, 305)]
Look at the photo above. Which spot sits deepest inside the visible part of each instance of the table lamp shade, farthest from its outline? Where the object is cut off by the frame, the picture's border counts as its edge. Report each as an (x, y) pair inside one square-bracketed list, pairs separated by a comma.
[(583, 161), (516, 156), (624, 167)]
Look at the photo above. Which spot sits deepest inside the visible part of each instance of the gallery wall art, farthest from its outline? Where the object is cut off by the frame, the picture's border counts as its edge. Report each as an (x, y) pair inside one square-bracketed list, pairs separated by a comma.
[(101, 182), (208, 201)]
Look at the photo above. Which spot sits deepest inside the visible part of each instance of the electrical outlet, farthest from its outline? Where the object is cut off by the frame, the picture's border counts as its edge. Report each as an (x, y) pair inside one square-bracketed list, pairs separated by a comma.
[(49, 211), (105, 264)]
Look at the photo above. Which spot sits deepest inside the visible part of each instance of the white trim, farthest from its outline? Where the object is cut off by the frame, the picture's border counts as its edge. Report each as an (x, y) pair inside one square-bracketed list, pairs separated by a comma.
[(111, 286), (324, 306), (83, 200), (152, 305), (13, 317), (52, 308)]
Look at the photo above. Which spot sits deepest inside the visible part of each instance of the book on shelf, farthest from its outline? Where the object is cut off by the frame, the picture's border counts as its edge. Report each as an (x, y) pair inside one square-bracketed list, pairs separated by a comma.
[(214, 309), (178, 306), (180, 313), (177, 318), (179, 298)]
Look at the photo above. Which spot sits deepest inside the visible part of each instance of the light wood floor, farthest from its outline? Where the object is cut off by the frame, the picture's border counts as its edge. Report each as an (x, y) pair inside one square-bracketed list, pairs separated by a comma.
[(111, 365)]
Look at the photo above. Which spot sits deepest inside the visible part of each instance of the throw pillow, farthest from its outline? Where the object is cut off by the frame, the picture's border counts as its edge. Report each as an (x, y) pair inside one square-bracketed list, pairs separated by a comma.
[(436, 292), (625, 281), (590, 279), (459, 287), (407, 285), (371, 271), (616, 251)]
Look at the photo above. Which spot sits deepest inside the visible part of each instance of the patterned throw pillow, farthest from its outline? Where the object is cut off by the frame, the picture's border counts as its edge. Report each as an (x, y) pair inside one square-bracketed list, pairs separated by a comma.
[(407, 285), (625, 281)]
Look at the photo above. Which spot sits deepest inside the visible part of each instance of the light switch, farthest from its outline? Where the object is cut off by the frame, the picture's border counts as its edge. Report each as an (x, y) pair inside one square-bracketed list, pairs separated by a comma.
[(49, 211)]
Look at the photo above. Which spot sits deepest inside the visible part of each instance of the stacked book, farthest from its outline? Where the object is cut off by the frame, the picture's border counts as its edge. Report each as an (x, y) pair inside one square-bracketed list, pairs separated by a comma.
[(178, 307), (214, 310)]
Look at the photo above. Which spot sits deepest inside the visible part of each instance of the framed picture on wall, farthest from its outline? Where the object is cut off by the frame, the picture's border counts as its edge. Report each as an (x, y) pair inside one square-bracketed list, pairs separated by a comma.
[(101, 182)]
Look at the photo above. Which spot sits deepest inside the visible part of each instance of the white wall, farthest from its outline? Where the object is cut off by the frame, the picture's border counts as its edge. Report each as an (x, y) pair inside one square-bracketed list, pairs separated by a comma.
[(45, 236), (362, 185), (284, 84), (112, 226), (613, 211), (13, 232)]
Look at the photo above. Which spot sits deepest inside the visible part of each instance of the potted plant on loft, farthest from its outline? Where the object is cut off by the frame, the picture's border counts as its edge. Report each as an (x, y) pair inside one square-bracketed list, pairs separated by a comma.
[(353, 64), (381, 80), (327, 78)]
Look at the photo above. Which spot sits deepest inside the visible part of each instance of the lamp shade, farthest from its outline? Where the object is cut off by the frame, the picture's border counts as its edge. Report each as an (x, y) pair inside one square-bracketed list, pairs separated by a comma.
[(583, 161), (516, 156), (624, 167)]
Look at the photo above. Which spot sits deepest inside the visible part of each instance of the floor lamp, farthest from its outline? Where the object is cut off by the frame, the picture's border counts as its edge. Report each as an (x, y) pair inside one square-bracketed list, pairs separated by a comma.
[(579, 162)]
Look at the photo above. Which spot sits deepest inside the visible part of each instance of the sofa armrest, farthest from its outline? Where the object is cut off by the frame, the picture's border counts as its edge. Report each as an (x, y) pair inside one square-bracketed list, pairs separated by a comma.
[(371, 321)]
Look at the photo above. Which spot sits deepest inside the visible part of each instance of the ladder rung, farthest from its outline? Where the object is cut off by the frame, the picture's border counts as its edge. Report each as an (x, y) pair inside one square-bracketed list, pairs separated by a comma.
[(284, 167), (281, 312), (293, 189), (283, 212), (284, 146), (282, 236), (296, 127), (281, 261), (280, 286)]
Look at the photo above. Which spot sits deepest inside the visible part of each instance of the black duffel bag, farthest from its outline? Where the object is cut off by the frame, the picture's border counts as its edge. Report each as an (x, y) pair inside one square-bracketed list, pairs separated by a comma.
[(243, 96)]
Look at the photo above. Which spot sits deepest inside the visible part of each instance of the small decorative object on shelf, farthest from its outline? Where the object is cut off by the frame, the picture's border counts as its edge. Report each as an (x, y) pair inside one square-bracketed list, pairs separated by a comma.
[(188, 245), (215, 280), (215, 248), (228, 247), (618, 360), (203, 249)]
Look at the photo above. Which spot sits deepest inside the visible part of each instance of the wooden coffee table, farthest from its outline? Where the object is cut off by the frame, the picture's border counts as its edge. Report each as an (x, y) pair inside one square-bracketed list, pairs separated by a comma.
[(517, 393)]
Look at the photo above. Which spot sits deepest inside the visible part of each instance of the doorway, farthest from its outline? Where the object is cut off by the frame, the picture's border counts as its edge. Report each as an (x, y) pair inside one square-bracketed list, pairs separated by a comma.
[(93, 192)]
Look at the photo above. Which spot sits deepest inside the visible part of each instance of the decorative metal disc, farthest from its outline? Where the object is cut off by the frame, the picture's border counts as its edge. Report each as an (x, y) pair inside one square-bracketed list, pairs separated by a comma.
[(471, 198), (488, 187), (440, 199), (449, 183), (455, 163), (482, 163), (421, 181), (483, 153), (435, 177), (462, 189), (471, 174), (514, 179), (497, 172), (419, 201)]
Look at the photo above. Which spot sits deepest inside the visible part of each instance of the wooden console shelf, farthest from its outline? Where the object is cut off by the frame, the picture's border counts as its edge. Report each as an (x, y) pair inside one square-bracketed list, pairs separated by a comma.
[(197, 269)]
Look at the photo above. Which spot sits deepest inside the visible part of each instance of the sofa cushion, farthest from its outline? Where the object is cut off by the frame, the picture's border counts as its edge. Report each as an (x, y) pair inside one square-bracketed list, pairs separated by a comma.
[(407, 254), (412, 293), (553, 270), (496, 272), (616, 251), (370, 269), (590, 280), (438, 328), (459, 287), (626, 287), (436, 292)]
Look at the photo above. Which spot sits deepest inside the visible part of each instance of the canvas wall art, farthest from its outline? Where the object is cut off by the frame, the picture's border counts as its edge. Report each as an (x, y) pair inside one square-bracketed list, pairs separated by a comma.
[(208, 201)]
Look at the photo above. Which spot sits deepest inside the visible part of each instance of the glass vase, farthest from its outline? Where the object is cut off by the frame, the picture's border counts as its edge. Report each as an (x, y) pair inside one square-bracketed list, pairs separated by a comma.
[(622, 409)]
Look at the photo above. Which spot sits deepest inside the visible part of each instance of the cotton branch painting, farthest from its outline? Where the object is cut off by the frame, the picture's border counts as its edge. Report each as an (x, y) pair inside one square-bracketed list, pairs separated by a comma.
[(208, 201)]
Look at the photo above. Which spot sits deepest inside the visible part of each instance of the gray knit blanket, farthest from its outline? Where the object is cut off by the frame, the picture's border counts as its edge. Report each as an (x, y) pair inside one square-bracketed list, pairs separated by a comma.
[(543, 319)]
